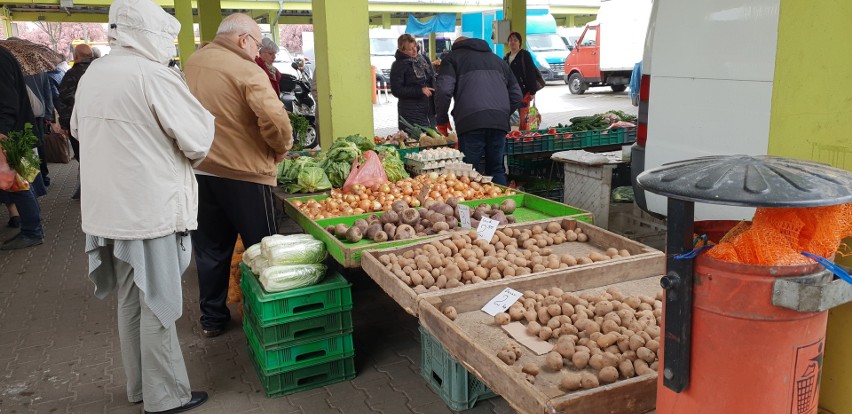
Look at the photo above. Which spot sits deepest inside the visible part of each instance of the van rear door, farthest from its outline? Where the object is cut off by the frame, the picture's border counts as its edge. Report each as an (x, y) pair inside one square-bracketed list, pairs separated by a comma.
[(586, 55)]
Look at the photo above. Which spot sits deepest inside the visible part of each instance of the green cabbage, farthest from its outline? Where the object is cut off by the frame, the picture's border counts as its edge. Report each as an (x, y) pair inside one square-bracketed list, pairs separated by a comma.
[(310, 180)]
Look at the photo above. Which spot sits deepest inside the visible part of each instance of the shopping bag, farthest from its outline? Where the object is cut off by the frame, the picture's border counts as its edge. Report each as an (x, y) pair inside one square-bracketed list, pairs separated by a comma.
[(533, 118), (369, 173), (7, 174), (57, 149)]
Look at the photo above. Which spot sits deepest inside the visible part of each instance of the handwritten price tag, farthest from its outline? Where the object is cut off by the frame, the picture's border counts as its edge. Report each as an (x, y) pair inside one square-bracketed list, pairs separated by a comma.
[(502, 301), (464, 216), (486, 228)]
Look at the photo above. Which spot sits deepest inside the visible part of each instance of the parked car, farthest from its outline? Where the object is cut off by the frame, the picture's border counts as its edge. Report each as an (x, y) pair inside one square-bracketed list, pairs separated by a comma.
[(284, 63)]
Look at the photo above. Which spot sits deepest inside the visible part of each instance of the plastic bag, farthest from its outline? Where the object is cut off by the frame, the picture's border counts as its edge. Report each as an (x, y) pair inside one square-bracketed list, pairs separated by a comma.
[(369, 174), (7, 174), (533, 117)]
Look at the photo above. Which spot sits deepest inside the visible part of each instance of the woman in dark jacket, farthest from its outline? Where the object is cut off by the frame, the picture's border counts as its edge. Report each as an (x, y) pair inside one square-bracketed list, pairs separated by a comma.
[(522, 65), (412, 80)]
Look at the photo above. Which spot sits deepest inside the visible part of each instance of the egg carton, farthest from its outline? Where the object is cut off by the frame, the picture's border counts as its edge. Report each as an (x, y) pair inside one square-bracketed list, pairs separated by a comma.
[(435, 155), (433, 164)]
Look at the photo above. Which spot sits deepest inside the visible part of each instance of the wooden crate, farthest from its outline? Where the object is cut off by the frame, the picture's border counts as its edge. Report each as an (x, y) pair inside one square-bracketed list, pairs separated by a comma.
[(474, 340), (530, 208), (643, 262)]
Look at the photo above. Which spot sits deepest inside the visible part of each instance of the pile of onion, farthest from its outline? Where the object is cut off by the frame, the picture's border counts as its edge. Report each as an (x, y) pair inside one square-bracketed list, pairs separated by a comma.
[(361, 200)]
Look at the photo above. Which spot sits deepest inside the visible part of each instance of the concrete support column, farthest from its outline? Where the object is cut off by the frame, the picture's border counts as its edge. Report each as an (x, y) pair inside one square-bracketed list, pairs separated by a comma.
[(209, 17), (186, 37), (516, 11), (386, 20), (432, 46), (571, 22), (343, 77)]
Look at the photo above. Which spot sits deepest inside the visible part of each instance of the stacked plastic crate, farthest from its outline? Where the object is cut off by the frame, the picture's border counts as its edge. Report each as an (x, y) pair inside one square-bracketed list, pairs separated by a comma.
[(459, 389), (299, 339)]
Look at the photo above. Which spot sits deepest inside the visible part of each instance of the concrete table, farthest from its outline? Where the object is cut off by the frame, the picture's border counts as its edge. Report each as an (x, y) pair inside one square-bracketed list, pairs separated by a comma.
[(588, 181)]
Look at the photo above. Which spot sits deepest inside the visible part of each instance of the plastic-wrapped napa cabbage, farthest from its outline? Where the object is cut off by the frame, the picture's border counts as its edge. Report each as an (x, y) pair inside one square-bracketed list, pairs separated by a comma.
[(281, 278), (268, 242), (305, 252)]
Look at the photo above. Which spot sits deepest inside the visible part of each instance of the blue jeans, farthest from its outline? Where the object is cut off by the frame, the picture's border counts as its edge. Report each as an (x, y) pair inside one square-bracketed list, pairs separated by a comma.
[(488, 143), (30, 212)]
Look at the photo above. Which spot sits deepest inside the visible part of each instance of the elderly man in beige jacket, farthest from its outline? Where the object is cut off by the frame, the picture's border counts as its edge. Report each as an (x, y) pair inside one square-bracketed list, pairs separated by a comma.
[(142, 131), (235, 182)]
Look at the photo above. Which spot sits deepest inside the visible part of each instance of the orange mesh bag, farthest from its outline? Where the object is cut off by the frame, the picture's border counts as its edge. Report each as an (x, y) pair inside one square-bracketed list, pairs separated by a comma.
[(777, 236), (235, 294)]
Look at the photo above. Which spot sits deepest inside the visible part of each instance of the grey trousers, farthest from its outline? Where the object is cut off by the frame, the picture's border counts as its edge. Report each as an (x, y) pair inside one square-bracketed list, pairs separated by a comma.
[(150, 352)]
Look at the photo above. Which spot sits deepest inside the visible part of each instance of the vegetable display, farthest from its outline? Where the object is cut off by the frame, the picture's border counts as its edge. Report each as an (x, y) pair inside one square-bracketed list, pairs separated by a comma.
[(599, 337), (411, 190), (300, 126), (465, 259), (597, 121), (394, 168), (402, 222)]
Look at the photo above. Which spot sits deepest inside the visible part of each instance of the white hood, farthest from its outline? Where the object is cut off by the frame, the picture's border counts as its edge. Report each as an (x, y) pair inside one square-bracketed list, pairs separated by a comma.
[(143, 28)]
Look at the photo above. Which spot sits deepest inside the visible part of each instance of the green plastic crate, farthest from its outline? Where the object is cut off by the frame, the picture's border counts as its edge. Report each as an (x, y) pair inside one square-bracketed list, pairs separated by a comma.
[(297, 304), (292, 333), (303, 379), (459, 389), (528, 145), (288, 358)]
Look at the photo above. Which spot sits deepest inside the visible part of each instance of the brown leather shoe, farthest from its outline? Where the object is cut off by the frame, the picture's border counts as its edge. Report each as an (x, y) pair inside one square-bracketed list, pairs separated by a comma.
[(198, 398), (212, 333)]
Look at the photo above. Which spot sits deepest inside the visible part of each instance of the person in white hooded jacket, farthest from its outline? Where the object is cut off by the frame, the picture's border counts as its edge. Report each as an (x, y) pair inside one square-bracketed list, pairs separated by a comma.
[(142, 131)]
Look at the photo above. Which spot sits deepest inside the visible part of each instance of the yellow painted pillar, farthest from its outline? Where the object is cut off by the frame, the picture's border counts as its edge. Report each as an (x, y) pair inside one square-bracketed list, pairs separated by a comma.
[(344, 84), (808, 122), (186, 37), (570, 21), (273, 26), (516, 11), (432, 46), (386, 20), (209, 18), (6, 17)]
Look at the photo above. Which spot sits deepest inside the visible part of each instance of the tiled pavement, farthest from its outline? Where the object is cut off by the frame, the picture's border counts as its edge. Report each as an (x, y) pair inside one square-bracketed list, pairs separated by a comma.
[(59, 348)]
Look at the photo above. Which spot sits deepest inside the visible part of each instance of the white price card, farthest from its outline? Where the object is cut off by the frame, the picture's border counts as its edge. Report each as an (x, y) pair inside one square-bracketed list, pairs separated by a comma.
[(486, 228), (464, 216), (502, 301)]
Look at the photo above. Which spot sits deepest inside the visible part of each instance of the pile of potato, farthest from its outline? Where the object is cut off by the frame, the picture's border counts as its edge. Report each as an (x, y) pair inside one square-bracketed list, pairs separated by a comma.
[(604, 336), (402, 222), (463, 259)]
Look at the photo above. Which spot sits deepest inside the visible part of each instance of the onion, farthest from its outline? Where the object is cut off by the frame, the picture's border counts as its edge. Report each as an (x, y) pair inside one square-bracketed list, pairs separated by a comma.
[(364, 204), (357, 211)]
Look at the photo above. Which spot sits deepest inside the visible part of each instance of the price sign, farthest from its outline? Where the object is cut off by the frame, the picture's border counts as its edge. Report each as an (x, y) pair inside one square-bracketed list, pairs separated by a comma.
[(486, 228), (502, 301), (464, 216)]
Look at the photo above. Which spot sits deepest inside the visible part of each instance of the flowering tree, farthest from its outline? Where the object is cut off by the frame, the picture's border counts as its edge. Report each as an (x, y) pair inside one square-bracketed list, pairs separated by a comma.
[(291, 36), (58, 36)]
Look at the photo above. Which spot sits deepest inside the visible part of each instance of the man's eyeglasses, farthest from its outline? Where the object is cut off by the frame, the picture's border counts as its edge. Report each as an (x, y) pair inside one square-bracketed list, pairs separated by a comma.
[(256, 42)]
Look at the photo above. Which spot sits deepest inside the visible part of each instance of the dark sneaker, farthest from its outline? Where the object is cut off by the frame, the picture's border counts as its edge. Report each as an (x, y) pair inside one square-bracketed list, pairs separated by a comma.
[(212, 333), (14, 222), (198, 398), (21, 242), (76, 195)]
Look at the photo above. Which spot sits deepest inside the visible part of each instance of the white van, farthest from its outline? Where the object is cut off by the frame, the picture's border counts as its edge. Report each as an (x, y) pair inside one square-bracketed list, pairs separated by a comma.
[(706, 88)]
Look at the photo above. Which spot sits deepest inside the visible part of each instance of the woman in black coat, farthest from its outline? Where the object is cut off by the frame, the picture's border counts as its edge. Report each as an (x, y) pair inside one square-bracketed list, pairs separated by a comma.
[(522, 65), (412, 80)]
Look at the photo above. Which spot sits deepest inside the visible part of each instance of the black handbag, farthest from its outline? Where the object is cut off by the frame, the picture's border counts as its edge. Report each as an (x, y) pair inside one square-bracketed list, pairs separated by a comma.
[(539, 80)]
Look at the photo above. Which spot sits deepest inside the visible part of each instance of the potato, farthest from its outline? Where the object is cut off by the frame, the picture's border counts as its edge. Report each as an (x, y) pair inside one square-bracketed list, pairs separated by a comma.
[(420, 289), (516, 313), (636, 342), (564, 346), (610, 359), (626, 369), (641, 367), (609, 326), (653, 345), (533, 328), (623, 253), (554, 323), (531, 369), (507, 356), (584, 260), (580, 359), (608, 375), (588, 380), (545, 333), (646, 354), (530, 316), (597, 257), (554, 309), (607, 339), (582, 237), (502, 318), (596, 362), (553, 361), (570, 381), (450, 312), (553, 227)]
